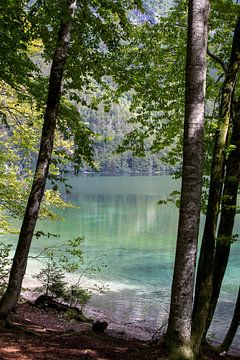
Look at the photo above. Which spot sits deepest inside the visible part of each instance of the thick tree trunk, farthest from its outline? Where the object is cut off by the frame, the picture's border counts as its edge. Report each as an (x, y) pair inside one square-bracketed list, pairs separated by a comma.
[(9, 299), (179, 326), (205, 266), (228, 212), (233, 327)]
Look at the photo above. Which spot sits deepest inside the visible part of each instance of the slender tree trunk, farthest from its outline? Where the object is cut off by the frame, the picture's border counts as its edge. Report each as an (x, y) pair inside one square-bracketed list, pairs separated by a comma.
[(233, 327), (9, 299), (178, 335), (228, 212), (205, 266)]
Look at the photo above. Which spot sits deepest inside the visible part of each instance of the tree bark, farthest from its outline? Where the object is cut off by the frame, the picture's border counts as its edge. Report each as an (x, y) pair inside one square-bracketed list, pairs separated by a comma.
[(228, 212), (233, 327), (9, 299), (178, 337), (204, 280)]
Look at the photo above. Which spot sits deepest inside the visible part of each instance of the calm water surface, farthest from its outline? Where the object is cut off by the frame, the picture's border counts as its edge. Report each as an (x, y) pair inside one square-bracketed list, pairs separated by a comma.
[(125, 228)]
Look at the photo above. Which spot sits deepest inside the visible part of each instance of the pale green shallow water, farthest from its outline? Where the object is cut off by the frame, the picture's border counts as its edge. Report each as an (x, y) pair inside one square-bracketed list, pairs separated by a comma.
[(125, 228)]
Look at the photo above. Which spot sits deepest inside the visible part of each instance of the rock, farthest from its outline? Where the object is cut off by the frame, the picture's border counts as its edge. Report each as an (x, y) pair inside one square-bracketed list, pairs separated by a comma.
[(47, 302), (42, 300), (99, 326)]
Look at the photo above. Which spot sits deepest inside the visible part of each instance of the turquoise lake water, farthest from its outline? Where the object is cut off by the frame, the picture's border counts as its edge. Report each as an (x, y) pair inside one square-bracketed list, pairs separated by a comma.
[(125, 228)]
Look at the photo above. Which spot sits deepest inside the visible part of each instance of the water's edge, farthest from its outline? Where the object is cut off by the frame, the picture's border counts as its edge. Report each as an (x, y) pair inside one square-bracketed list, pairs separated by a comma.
[(127, 330)]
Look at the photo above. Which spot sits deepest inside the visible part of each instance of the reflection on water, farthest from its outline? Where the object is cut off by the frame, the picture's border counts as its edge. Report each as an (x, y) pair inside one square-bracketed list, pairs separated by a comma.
[(125, 228)]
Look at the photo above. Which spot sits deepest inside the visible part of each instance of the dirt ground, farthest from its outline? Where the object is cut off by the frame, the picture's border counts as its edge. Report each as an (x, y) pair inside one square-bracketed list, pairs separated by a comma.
[(40, 334)]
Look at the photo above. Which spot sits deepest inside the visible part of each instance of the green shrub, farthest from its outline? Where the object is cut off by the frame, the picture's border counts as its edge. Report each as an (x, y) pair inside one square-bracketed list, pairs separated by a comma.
[(52, 279), (57, 263)]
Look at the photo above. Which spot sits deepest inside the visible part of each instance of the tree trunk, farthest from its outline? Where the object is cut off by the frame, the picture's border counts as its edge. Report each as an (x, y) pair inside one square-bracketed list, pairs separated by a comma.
[(205, 266), (9, 299), (233, 327), (179, 326), (228, 212)]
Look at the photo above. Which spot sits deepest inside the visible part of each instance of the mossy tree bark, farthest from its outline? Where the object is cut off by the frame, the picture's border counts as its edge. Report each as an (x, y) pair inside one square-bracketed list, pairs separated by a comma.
[(10, 297), (206, 261), (179, 326), (228, 212)]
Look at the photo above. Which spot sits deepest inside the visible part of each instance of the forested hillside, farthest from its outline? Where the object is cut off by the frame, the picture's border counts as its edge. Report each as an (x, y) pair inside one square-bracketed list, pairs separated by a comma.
[(110, 127), (111, 123)]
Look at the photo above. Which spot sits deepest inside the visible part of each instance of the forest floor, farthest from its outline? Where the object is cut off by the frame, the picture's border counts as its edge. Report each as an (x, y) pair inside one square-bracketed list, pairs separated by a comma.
[(39, 334)]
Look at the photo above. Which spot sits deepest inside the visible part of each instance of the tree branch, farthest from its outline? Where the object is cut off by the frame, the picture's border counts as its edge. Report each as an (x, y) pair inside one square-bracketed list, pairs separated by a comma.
[(216, 58)]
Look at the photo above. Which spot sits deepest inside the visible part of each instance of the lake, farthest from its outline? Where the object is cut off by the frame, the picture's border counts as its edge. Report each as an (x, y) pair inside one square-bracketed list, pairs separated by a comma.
[(127, 230)]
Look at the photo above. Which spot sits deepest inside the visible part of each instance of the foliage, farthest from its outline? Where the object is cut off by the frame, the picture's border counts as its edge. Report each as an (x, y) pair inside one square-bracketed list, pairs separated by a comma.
[(51, 277), (19, 141), (150, 60), (110, 128), (226, 240), (73, 314), (154, 63), (5, 265), (58, 262), (15, 33), (141, 57), (75, 295), (174, 197), (28, 36), (74, 129)]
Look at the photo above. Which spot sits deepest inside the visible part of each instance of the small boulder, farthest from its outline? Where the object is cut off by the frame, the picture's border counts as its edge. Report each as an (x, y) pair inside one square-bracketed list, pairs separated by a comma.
[(99, 326), (42, 301), (46, 302)]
